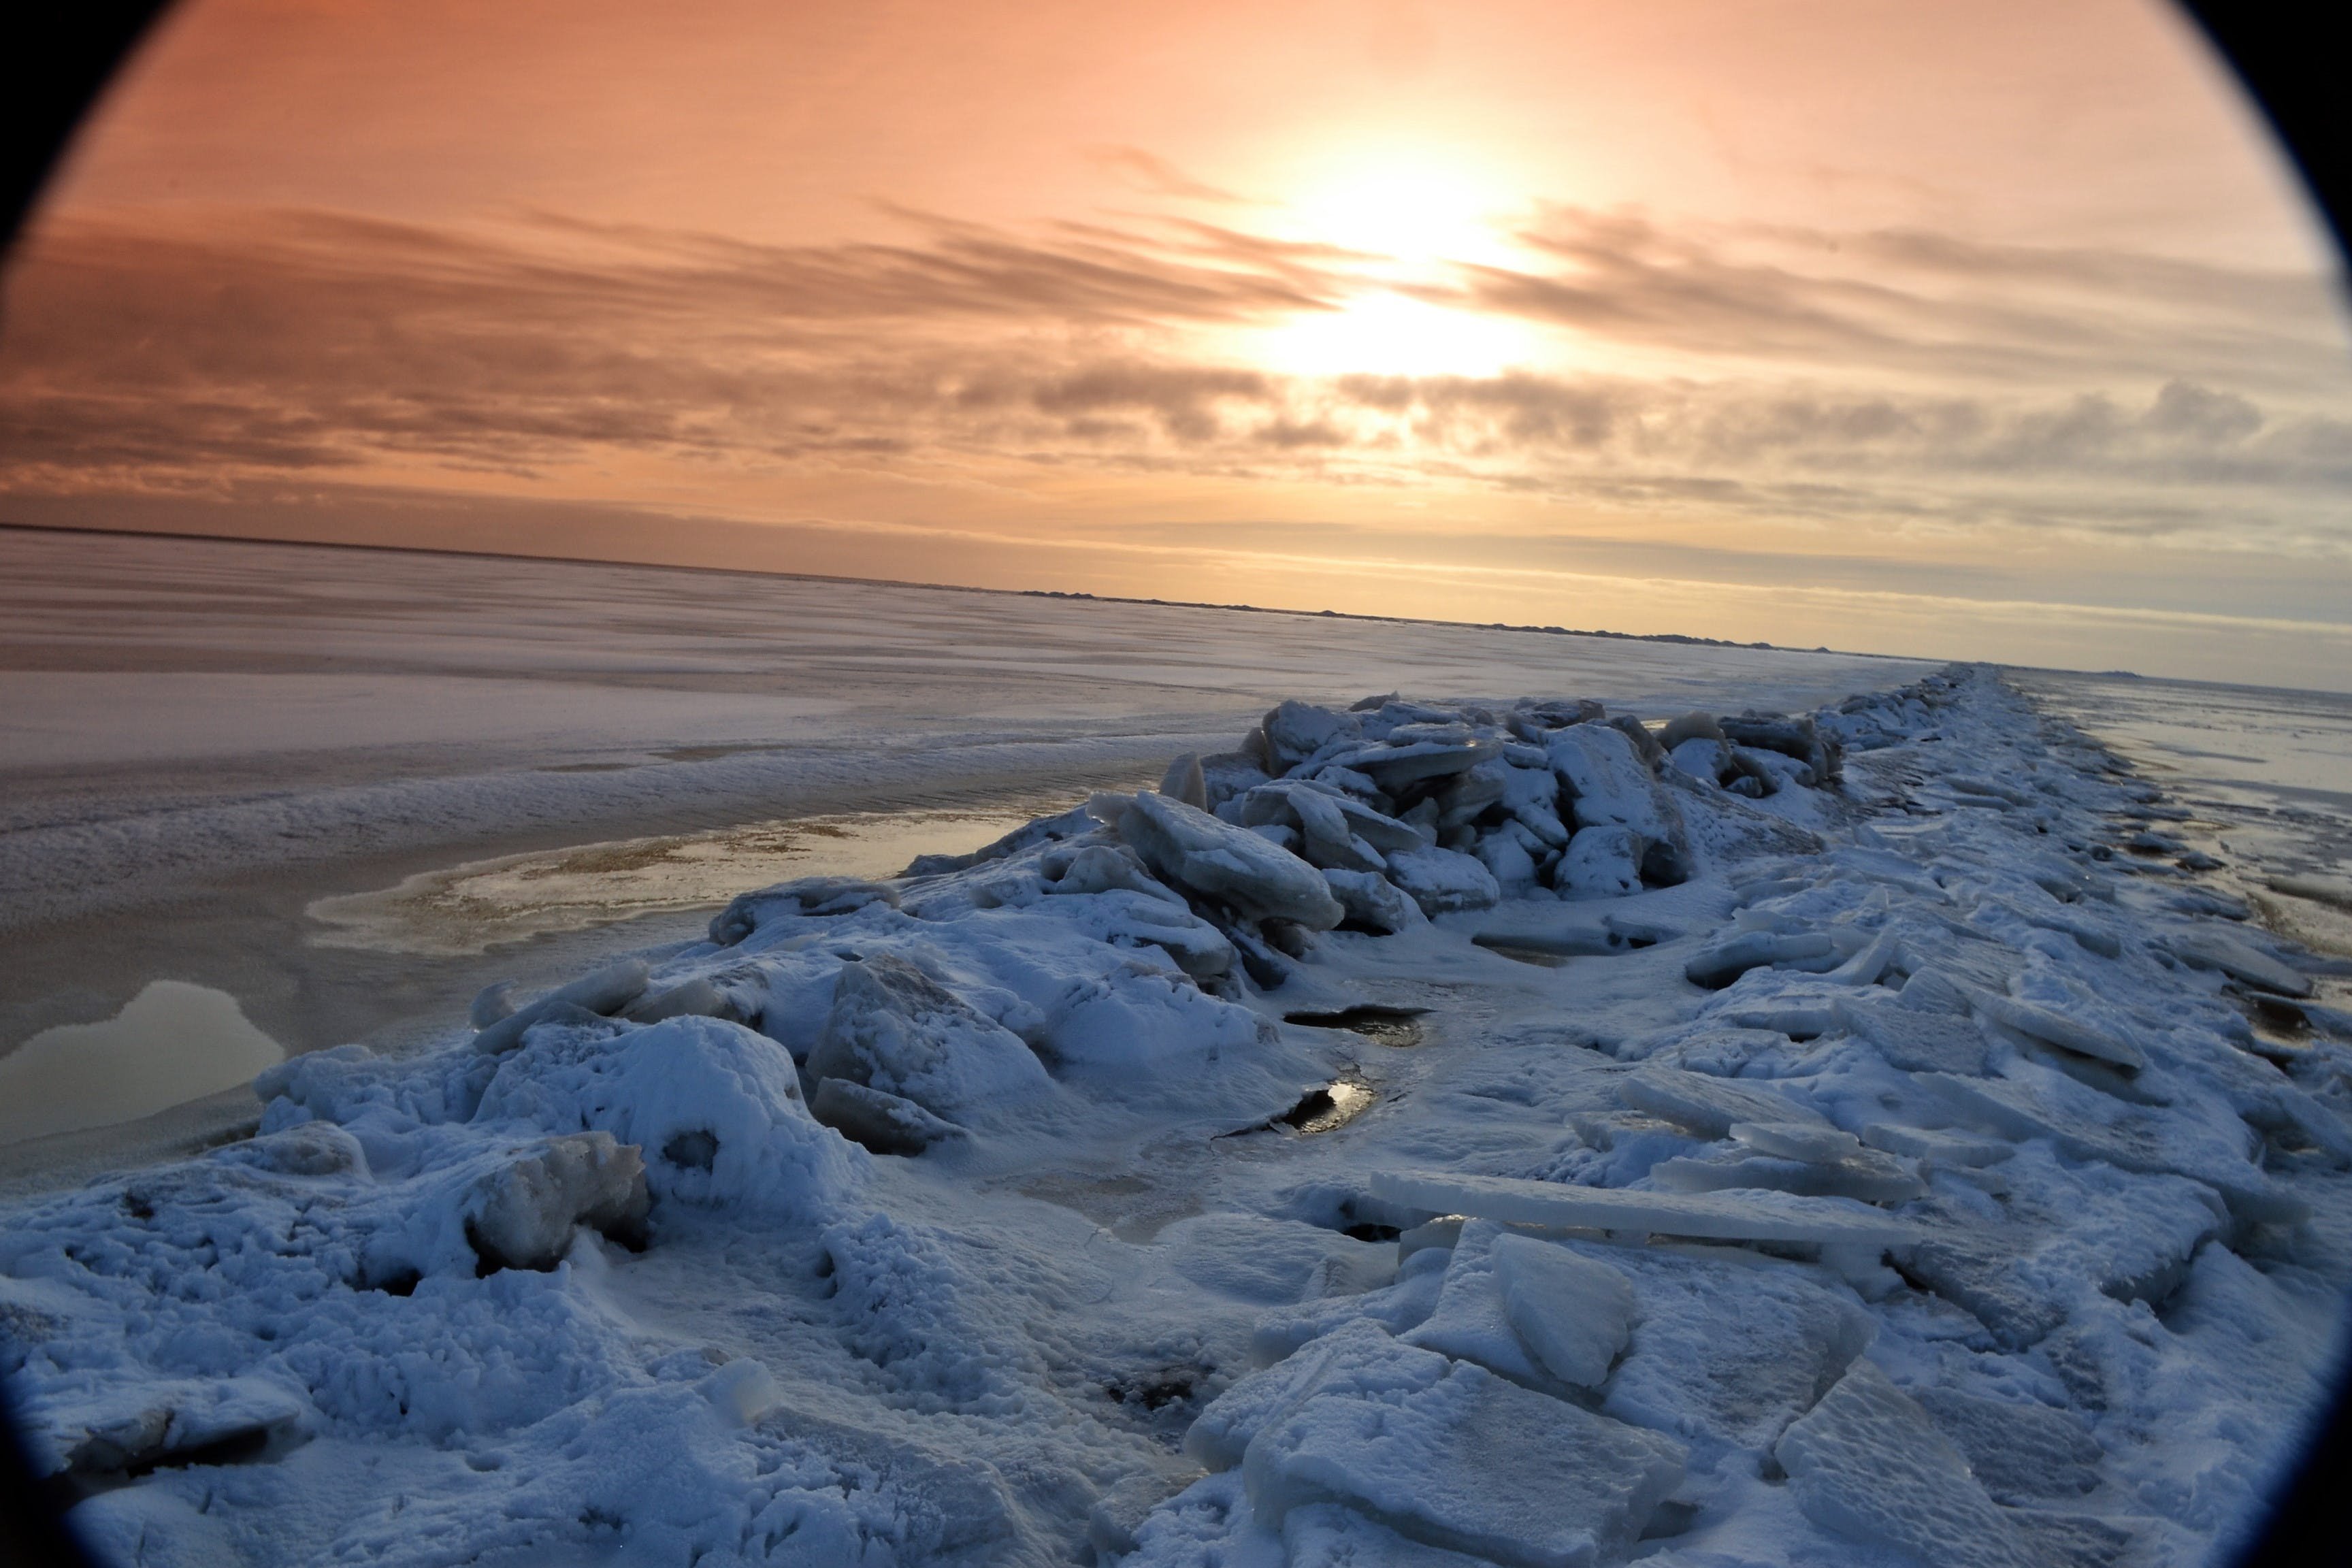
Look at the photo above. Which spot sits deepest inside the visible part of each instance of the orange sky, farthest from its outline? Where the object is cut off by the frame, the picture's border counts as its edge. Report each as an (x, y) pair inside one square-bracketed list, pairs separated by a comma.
[(1885, 325)]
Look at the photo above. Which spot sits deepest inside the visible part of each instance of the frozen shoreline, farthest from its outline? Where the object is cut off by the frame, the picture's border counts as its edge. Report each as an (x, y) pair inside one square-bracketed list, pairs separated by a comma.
[(1956, 1109)]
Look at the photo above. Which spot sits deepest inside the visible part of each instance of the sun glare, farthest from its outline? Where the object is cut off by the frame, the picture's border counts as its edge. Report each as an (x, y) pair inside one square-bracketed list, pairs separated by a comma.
[(1412, 209), (1413, 217), (1387, 333)]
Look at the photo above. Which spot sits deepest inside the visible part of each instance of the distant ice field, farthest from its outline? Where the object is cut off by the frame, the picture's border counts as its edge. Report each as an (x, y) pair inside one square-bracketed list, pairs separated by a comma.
[(204, 741)]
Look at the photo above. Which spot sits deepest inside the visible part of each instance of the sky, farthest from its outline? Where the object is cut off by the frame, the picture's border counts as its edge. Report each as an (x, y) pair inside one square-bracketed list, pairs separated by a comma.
[(1992, 330)]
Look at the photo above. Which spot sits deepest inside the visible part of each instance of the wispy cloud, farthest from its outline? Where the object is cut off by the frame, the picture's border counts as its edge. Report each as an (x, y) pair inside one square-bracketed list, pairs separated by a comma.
[(1895, 379)]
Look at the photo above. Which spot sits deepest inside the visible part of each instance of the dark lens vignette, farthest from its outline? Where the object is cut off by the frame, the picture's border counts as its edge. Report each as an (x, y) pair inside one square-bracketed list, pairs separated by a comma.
[(48, 84)]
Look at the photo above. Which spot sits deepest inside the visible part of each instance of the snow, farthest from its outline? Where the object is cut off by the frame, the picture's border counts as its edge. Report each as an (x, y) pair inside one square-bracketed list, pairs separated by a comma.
[(1768, 1209)]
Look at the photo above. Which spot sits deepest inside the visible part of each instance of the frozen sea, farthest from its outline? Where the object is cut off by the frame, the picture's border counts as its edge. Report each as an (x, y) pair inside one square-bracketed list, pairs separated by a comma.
[(221, 762), (1473, 1126)]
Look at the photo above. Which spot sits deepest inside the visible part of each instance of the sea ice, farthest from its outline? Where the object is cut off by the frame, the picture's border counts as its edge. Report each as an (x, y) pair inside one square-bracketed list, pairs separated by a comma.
[(1601, 862), (895, 1028), (1218, 861), (1869, 1464), (1470, 1463), (524, 1215), (1443, 880), (1574, 1312), (1710, 1105), (882, 1123), (1745, 1217), (1469, 1321), (1727, 1348)]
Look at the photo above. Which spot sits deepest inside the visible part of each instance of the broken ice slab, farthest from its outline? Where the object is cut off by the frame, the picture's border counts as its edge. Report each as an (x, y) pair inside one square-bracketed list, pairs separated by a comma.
[(1707, 1104), (1468, 1320), (1917, 1039), (1937, 1148), (2019, 1452), (1470, 1463), (523, 1215), (1868, 1177), (1574, 1313), (1798, 1140), (1869, 1464), (603, 992), (2238, 960), (881, 1122), (1716, 1216), (1719, 963), (2085, 1124), (2055, 1029)]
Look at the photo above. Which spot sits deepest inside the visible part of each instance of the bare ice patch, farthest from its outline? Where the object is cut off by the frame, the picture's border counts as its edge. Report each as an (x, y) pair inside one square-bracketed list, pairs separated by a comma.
[(481, 904), (170, 1044)]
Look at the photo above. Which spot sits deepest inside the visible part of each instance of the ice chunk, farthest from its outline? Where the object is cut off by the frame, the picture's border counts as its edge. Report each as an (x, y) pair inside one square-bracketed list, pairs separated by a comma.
[(1709, 1105), (1868, 1177), (1468, 1321), (895, 1028), (1185, 782), (2055, 1029), (1693, 726), (604, 992), (1421, 1276), (1440, 880), (1373, 902), (1229, 865), (1799, 738), (2087, 1125), (1601, 862), (1813, 1140), (1415, 752), (1727, 1347), (523, 1215), (697, 997), (1706, 759), (1574, 1312), (1295, 731), (1930, 990), (804, 896), (1917, 1039), (1470, 1463), (1358, 1357), (1727, 958), (1937, 1148), (714, 1091), (1867, 1463), (1609, 785), (881, 1123), (1745, 1216), (1102, 869), (2019, 1452), (2239, 960)]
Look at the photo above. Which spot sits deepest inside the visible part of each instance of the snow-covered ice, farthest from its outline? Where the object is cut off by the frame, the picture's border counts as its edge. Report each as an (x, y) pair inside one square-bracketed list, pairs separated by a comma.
[(1079, 1198)]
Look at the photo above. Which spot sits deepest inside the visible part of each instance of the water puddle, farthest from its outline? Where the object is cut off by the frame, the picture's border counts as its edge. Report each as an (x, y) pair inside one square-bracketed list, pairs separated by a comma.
[(464, 910), (1323, 1109), (1398, 1026), (170, 1044), (1331, 1107)]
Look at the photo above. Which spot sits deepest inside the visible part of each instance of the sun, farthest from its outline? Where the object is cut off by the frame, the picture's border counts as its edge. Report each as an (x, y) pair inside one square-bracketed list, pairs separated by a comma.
[(1411, 219)]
